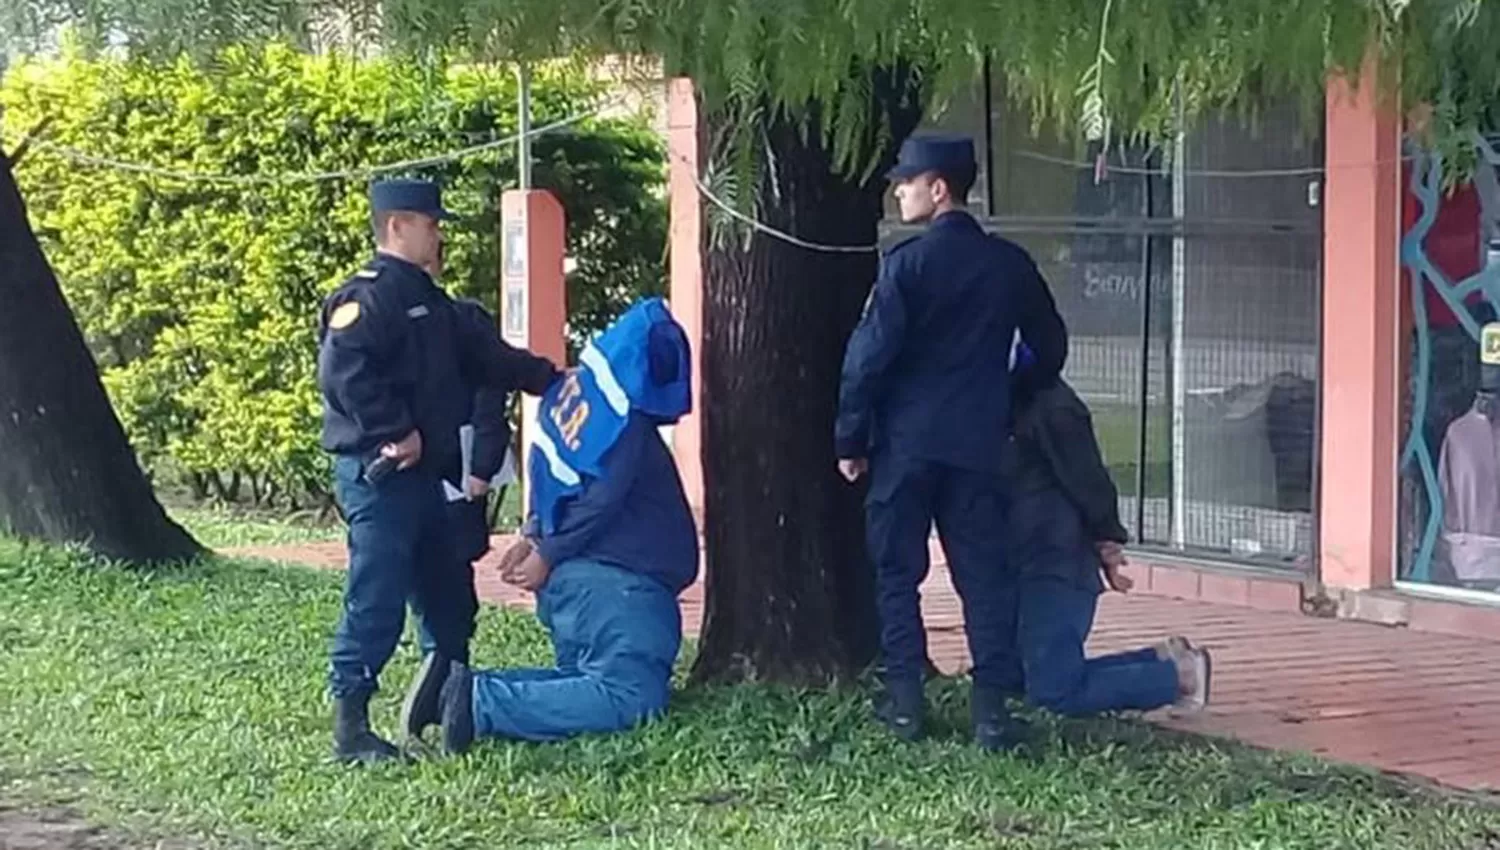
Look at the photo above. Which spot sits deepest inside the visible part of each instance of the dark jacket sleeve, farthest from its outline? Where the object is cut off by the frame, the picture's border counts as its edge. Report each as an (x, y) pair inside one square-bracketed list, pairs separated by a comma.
[(1041, 328), (356, 346), (491, 361), (1065, 431), (867, 360), (587, 515)]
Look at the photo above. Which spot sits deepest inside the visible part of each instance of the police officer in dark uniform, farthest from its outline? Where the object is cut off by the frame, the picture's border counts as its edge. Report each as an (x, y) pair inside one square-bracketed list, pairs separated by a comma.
[(924, 409), (397, 366), (468, 518)]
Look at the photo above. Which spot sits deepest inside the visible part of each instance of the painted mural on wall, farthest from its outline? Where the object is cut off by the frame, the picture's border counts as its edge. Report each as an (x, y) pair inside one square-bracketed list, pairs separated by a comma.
[(1450, 462)]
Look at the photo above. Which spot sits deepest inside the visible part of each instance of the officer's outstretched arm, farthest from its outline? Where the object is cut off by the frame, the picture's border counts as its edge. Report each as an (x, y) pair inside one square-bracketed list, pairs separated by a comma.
[(354, 367), (494, 362), (602, 498), (867, 359), (1041, 328)]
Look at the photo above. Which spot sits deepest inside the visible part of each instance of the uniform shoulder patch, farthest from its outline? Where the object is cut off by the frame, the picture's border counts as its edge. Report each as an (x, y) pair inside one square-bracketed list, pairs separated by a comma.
[(344, 315)]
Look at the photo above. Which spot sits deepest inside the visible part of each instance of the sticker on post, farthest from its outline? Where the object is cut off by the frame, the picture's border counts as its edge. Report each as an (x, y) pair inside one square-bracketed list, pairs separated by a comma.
[(1489, 344)]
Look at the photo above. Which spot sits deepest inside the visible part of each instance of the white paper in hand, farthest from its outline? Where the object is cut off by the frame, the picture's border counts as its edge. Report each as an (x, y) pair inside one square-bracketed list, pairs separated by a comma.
[(466, 464), (466, 453), (507, 473)]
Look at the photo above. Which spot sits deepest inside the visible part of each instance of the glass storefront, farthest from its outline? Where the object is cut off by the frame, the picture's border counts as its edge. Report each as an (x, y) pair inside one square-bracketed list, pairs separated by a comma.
[(1190, 279), (1449, 506)]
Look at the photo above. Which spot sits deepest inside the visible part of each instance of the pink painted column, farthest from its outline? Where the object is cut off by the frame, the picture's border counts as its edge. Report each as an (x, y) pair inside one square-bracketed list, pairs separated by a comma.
[(533, 293), (1361, 239), (685, 210)]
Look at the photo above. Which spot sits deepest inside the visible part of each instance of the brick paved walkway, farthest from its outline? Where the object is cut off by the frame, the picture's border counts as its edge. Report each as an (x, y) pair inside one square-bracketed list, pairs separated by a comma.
[(1399, 700)]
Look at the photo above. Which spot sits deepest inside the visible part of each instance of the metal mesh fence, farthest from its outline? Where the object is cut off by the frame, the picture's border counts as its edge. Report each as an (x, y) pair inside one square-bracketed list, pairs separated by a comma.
[(1192, 293)]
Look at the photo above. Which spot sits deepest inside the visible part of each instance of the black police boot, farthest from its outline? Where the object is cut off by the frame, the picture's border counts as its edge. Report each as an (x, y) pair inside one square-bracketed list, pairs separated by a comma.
[(353, 742), (458, 709), (995, 730), (423, 706), (901, 707)]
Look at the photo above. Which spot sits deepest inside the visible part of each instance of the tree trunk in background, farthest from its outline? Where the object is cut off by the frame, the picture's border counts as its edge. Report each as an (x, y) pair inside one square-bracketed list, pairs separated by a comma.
[(790, 592), (67, 472)]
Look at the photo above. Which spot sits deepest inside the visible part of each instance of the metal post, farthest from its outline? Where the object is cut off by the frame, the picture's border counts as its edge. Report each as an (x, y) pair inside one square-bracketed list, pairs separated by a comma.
[(1179, 504), (523, 153), (989, 138), (1143, 412)]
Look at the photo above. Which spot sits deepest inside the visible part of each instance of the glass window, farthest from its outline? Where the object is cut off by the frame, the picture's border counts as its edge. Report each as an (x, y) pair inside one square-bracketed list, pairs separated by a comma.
[(1449, 509), (1190, 279)]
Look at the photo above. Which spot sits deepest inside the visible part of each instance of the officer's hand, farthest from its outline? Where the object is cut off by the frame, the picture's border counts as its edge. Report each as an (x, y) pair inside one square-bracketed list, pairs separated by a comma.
[(1117, 581), (407, 452), (478, 487), (1112, 556), (853, 468)]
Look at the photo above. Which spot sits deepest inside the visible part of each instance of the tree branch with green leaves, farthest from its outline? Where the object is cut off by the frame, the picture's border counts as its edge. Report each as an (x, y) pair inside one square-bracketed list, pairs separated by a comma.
[(789, 53)]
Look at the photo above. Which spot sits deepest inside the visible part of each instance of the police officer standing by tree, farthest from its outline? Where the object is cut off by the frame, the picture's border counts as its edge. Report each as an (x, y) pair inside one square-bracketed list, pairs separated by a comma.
[(468, 519), (398, 364), (924, 409)]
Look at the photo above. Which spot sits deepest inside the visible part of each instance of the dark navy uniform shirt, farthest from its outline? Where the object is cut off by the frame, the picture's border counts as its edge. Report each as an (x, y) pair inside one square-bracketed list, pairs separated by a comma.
[(927, 372), (396, 353)]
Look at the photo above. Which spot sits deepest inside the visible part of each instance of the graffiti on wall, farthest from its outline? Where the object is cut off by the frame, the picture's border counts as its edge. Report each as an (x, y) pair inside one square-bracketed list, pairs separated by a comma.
[(1467, 299)]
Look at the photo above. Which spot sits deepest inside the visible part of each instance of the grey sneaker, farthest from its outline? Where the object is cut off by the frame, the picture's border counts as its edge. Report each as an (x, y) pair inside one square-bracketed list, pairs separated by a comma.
[(1202, 673), (1173, 648)]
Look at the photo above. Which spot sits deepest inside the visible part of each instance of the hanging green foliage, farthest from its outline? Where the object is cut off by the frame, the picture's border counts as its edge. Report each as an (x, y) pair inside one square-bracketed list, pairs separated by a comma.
[(1082, 64), (203, 323)]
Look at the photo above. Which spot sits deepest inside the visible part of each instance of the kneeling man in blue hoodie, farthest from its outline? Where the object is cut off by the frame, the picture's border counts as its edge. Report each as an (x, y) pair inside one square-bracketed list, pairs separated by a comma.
[(609, 546)]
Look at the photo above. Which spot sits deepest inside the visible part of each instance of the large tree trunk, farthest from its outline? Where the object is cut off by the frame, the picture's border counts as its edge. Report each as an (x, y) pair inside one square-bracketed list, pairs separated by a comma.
[(67, 472), (790, 594)]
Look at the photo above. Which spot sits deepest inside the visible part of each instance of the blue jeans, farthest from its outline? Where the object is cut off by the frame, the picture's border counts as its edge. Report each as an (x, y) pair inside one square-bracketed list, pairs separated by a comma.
[(400, 547), (1055, 619), (615, 635)]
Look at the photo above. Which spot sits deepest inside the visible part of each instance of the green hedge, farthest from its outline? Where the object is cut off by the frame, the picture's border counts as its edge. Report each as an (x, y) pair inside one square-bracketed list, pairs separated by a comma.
[(200, 300)]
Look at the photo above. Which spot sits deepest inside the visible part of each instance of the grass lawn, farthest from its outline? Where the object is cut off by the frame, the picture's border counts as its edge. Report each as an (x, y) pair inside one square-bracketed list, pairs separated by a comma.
[(188, 704), (223, 528), (220, 528)]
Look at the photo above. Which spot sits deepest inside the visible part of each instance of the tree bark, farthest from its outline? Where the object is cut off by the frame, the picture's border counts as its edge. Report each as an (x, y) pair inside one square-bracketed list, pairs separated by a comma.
[(790, 593), (68, 474)]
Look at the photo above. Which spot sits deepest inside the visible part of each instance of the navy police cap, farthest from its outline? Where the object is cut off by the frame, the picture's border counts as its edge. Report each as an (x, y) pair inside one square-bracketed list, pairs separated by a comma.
[(418, 196), (921, 154)]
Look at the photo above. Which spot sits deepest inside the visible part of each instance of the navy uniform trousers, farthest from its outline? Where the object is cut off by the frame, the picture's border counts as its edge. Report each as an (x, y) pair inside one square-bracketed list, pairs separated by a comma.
[(906, 497), (401, 546)]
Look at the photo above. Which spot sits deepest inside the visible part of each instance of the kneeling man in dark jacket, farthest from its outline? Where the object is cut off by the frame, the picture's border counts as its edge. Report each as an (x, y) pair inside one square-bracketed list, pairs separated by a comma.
[(1065, 543)]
